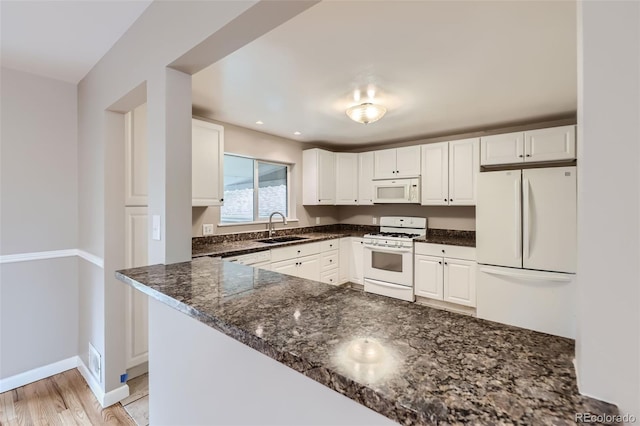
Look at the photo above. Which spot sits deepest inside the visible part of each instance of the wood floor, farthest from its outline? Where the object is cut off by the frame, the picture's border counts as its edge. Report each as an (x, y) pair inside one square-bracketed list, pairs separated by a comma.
[(63, 399)]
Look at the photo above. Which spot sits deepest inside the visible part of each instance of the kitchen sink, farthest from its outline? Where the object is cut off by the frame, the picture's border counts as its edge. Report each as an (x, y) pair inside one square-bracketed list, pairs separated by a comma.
[(282, 239)]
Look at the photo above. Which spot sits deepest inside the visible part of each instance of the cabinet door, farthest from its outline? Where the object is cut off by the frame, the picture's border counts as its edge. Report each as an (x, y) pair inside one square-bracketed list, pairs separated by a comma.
[(329, 277), (556, 143), (207, 160), (429, 277), (309, 267), (502, 149), (136, 302), (287, 267), (136, 164), (356, 262), (326, 177), (365, 178), (384, 164), (345, 262), (464, 166), (408, 161), (460, 281), (434, 179), (346, 178)]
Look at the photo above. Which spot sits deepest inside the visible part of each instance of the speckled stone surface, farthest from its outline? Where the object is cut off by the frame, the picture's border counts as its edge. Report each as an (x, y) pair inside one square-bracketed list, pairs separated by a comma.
[(246, 242), (450, 237), (411, 363)]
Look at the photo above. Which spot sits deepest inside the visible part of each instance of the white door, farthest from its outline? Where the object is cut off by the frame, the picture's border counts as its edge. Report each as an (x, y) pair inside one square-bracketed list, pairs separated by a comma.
[(326, 177), (345, 254), (136, 319), (309, 267), (429, 277), (435, 171), (287, 267), (549, 219), (460, 282), (136, 164), (498, 218), (356, 261), (464, 166), (346, 178), (502, 149), (384, 164), (408, 161), (207, 161), (556, 143), (365, 178)]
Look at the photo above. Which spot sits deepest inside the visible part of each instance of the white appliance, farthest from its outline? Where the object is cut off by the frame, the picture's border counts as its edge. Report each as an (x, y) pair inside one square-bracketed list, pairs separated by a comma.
[(396, 191), (388, 256), (526, 248)]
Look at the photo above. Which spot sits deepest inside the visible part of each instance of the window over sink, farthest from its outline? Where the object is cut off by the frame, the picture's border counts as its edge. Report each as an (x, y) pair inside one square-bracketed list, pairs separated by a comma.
[(253, 189)]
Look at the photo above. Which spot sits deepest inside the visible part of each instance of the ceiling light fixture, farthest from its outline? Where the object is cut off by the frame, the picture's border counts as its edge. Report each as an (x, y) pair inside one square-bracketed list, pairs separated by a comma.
[(297, 133), (259, 122), (366, 113)]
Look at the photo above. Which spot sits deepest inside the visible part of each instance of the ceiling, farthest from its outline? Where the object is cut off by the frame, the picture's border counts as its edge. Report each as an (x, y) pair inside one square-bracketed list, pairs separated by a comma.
[(439, 68), (63, 39)]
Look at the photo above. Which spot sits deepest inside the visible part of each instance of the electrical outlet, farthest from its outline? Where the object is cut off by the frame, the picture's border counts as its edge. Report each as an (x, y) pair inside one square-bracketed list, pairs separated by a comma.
[(95, 362), (317, 221), (374, 220), (207, 229)]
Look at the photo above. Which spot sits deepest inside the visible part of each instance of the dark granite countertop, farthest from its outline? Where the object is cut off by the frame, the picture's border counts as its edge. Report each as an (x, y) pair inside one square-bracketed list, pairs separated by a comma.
[(449, 237), (427, 366), (235, 248)]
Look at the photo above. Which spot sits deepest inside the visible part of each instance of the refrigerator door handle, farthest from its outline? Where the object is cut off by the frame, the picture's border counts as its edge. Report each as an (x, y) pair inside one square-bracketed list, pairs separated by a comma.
[(526, 218), (529, 275), (518, 223)]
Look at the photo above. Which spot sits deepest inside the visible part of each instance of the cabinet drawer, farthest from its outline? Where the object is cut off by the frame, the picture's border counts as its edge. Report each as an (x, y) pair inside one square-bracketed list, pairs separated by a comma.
[(329, 260), (443, 250), (330, 277), (330, 245), (291, 252)]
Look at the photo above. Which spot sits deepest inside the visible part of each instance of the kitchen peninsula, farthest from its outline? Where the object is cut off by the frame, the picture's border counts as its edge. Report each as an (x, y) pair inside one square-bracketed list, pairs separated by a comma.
[(407, 363)]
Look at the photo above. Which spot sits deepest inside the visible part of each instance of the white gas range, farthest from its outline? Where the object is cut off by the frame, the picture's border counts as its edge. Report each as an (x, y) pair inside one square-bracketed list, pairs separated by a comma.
[(388, 256)]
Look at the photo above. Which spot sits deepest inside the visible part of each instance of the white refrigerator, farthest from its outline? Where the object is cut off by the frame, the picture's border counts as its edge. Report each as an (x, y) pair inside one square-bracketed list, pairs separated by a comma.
[(526, 248)]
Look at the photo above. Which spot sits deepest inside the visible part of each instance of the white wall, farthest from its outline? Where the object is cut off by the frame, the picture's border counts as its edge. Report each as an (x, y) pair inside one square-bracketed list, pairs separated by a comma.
[(608, 342), (243, 141), (38, 212), (163, 35)]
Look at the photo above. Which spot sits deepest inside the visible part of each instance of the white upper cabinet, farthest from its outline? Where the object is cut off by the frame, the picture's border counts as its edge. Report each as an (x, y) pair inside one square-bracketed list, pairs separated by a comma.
[(365, 178), (136, 157), (552, 144), (346, 178), (207, 161), (318, 177), (449, 173), (464, 166), (384, 164), (502, 149), (396, 162), (435, 174)]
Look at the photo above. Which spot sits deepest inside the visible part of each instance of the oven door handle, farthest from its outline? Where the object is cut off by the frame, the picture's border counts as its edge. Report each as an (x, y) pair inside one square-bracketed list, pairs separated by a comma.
[(389, 249), (386, 284)]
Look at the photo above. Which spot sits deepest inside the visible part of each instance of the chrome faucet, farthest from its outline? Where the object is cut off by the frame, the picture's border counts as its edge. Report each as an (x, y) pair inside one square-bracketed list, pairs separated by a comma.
[(284, 222)]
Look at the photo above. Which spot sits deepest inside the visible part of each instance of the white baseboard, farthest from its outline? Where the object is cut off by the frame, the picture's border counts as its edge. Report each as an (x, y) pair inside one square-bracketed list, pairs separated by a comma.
[(105, 399), (53, 254), (38, 374)]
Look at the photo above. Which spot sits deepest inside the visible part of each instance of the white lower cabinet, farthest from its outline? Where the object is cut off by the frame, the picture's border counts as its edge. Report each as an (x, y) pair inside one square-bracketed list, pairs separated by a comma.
[(449, 279), (356, 261), (136, 319), (345, 255), (303, 267), (314, 261)]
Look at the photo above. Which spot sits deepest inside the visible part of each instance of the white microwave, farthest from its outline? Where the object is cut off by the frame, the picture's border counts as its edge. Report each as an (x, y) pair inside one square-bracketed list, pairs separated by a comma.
[(396, 191)]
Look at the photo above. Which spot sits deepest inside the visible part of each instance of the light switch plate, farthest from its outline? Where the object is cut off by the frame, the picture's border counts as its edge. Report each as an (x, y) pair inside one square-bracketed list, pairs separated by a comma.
[(317, 221), (155, 229), (374, 220), (207, 229)]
